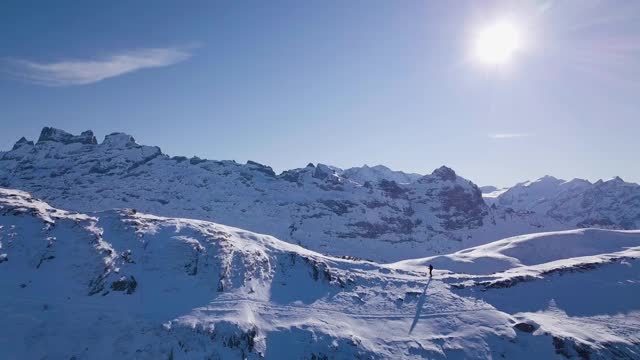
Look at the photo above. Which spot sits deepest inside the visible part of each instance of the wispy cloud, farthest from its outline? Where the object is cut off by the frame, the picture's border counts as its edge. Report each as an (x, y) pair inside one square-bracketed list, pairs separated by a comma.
[(82, 72), (508, 135)]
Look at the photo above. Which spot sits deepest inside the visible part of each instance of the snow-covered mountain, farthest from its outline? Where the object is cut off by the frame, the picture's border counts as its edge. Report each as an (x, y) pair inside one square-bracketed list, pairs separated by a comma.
[(368, 212), (578, 203), (537, 195), (365, 212), (122, 284), (375, 174)]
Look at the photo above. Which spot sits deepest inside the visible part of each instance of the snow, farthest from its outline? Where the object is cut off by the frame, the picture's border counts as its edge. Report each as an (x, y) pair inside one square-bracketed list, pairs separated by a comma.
[(126, 284), (533, 249), (492, 196), (373, 175), (139, 265), (366, 212), (118, 140), (369, 212)]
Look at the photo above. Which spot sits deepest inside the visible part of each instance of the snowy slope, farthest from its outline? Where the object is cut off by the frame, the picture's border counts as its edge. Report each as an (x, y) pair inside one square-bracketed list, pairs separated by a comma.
[(374, 174), (122, 284), (320, 207), (579, 287), (490, 194), (538, 195), (578, 203), (535, 249), (527, 194)]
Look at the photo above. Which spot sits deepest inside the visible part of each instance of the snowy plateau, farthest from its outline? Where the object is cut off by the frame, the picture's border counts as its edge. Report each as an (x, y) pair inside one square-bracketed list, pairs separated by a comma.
[(114, 250)]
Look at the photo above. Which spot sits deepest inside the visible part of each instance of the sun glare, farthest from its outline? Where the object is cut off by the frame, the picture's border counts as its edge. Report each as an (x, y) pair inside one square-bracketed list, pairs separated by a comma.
[(496, 44)]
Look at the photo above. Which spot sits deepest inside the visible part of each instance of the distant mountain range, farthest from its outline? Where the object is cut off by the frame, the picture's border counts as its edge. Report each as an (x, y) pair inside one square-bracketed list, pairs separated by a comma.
[(368, 212)]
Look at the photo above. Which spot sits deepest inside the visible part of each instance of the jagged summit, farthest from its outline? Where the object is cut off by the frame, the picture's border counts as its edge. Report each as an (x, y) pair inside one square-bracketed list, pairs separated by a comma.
[(576, 182), (261, 167), (23, 141), (50, 134), (549, 178), (118, 139), (616, 179), (444, 173), (323, 171), (61, 136)]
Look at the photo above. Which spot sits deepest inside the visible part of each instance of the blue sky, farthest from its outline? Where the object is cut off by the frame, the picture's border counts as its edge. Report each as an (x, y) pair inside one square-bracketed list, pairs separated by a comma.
[(337, 82)]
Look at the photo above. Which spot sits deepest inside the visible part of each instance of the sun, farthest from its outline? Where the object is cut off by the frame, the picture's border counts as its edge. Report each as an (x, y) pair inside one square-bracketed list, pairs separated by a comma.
[(497, 43)]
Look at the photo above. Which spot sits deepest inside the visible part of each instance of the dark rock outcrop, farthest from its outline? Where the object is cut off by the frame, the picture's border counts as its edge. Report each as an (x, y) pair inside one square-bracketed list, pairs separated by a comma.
[(118, 139), (61, 136), (128, 285), (261, 168), (22, 142), (392, 189), (463, 208), (444, 173), (525, 327)]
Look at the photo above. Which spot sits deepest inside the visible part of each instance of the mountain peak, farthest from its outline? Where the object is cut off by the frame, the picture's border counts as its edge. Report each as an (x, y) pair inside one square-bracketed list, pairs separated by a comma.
[(118, 139), (381, 168), (23, 141), (444, 173), (615, 180), (323, 171), (549, 178), (61, 136), (612, 181)]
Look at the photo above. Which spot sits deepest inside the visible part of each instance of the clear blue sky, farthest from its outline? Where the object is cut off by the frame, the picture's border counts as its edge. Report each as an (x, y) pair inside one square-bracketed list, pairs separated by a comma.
[(345, 83)]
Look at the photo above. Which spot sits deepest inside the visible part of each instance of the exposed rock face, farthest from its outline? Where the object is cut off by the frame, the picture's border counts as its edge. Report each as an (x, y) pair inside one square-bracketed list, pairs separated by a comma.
[(22, 142), (464, 208), (119, 140), (392, 189), (260, 167), (444, 173), (525, 327), (324, 172), (61, 136), (124, 284)]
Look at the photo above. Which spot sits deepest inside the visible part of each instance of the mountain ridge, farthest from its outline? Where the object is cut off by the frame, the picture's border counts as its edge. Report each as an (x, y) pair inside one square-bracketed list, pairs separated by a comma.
[(318, 206)]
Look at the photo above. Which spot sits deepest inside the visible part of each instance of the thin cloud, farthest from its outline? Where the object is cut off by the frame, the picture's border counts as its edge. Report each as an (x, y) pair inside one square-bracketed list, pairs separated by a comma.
[(83, 72), (508, 135)]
